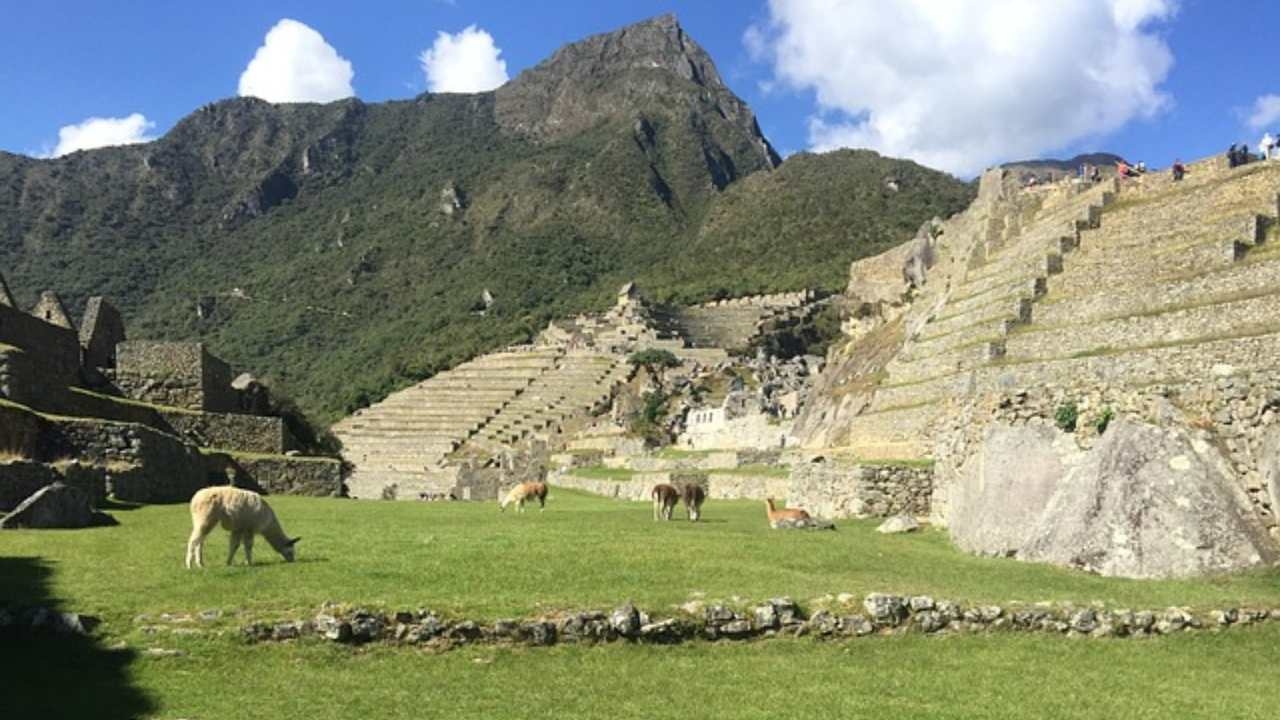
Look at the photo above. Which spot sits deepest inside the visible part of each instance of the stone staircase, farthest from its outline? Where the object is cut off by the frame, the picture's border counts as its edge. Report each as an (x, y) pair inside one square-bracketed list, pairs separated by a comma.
[(1125, 284), (396, 443), (732, 324), (415, 441), (580, 381)]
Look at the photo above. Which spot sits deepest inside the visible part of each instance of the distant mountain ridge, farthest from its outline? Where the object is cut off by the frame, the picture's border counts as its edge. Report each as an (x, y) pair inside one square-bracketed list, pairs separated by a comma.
[(1052, 169), (341, 250)]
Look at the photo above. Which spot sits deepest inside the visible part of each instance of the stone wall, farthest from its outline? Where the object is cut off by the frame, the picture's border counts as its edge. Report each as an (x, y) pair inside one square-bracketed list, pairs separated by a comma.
[(22, 478), (1240, 409), (838, 489), (101, 329), (24, 379), (227, 431), (176, 374), (143, 464), (280, 475), (56, 348), (719, 485), (19, 431)]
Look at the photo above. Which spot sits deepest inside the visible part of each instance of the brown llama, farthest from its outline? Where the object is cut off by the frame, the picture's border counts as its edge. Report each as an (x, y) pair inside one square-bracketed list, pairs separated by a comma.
[(525, 491), (776, 515), (694, 495), (665, 498)]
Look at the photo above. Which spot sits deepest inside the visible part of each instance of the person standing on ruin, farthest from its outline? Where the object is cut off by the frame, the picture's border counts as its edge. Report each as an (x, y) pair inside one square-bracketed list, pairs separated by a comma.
[(1267, 146), (1179, 170)]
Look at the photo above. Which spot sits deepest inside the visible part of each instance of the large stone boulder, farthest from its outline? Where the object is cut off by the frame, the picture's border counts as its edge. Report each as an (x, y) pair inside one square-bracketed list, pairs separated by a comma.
[(54, 506), (1151, 502), (1143, 502), (999, 493)]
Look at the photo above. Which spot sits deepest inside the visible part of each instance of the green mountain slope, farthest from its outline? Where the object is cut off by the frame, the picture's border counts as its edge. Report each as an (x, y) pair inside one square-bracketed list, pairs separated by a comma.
[(342, 250)]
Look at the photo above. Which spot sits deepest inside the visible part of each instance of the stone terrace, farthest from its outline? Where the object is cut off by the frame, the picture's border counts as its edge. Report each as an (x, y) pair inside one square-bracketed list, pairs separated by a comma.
[(1146, 282), (393, 443)]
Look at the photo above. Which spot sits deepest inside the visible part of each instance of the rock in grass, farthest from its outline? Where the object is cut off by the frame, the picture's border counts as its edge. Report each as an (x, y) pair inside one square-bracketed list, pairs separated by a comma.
[(898, 524), (54, 506)]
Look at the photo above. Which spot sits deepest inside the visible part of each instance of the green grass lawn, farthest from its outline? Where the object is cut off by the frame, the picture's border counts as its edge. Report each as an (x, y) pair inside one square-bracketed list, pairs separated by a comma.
[(586, 552)]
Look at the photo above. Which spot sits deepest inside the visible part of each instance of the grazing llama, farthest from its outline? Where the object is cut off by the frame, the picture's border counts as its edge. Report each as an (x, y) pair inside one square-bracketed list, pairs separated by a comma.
[(525, 491), (244, 514), (694, 495), (776, 515), (665, 498)]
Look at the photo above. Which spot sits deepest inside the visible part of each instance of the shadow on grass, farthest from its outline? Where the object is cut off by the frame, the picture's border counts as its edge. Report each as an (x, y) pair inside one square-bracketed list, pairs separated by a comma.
[(117, 505), (50, 675)]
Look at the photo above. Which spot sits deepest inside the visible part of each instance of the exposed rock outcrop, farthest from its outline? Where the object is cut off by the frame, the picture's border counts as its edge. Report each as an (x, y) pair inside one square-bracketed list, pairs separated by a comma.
[(1143, 502)]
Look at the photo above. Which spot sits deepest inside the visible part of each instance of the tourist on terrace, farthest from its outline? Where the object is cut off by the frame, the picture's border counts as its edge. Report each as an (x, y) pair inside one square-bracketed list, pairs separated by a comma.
[(1233, 156), (1268, 146), (1179, 170), (1123, 170)]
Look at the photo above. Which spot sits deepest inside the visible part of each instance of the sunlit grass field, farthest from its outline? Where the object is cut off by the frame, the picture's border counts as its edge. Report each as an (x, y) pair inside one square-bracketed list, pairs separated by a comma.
[(467, 559)]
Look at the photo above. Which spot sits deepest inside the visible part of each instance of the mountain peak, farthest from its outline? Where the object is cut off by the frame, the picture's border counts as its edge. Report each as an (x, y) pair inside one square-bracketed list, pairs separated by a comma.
[(621, 75)]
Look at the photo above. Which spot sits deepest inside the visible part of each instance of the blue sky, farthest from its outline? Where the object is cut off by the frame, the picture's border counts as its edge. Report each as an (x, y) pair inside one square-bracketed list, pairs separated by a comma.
[(956, 85)]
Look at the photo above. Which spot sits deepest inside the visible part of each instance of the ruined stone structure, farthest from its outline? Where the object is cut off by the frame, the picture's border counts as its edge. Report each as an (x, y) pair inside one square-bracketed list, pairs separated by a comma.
[(1072, 308), (143, 421), (442, 437)]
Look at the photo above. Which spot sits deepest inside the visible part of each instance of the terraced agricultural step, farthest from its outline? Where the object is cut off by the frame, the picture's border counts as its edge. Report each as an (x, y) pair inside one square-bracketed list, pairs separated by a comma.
[(1086, 273), (1222, 283), (1180, 325)]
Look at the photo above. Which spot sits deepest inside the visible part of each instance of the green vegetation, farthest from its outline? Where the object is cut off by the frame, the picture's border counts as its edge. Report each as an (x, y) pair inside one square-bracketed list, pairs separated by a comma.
[(1103, 421), (600, 472), (650, 422), (956, 678), (1066, 416), (585, 552), (488, 565), (654, 360), (812, 335), (339, 284)]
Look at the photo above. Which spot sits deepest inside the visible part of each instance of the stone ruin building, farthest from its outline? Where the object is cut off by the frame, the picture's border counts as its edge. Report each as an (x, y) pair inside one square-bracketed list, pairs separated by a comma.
[(142, 421), (491, 422)]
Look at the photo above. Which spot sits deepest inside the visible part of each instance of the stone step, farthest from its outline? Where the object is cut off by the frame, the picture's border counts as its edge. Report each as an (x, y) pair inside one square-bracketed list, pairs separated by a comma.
[(1030, 268), (1176, 325), (978, 353), (999, 309), (993, 326), (1191, 360), (1085, 274), (1216, 284), (963, 302), (1109, 239)]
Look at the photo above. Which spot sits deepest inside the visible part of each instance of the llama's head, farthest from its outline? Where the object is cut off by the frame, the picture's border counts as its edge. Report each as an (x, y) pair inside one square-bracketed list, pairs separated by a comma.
[(287, 551)]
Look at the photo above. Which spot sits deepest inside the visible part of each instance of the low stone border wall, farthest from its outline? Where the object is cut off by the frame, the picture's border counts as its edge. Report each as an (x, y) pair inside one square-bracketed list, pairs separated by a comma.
[(720, 486), (278, 474), (877, 614)]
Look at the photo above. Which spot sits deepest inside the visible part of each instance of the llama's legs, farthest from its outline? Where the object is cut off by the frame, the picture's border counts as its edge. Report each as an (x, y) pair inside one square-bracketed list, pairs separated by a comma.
[(195, 544), (248, 548), (235, 545), (655, 509)]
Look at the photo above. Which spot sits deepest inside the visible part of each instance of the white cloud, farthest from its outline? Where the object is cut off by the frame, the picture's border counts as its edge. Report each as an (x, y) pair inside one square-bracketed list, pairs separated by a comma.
[(1264, 113), (465, 62), (295, 64), (96, 132), (964, 84)]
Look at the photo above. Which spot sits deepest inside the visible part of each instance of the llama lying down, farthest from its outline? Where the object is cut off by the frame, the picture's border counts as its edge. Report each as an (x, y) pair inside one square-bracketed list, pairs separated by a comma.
[(794, 519), (244, 514)]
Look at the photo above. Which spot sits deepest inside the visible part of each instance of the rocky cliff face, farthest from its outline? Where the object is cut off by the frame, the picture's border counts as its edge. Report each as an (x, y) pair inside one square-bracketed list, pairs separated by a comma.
[(651, 72)]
